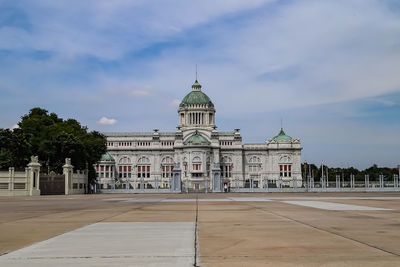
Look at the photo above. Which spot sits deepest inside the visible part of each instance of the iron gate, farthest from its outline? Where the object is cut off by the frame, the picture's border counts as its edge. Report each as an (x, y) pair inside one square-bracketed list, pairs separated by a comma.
[(52, 184)]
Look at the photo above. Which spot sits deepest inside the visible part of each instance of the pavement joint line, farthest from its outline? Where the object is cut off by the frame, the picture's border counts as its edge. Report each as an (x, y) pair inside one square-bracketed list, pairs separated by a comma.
[(98, 257), (324, 205), (195, 232), (327, 231), (277, 256)]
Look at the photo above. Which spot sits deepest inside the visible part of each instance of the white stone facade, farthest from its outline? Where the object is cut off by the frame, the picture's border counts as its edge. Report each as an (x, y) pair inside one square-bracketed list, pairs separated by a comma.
[(198, 148)]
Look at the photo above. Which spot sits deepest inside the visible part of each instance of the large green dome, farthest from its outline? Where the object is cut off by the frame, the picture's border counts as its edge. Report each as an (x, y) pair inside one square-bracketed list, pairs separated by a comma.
[(196, 97)]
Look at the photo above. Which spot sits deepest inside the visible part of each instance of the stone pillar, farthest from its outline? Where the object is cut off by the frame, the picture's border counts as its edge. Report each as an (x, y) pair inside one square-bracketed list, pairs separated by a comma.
[(11, 179), (67, 171), (338, 181), (216, 174), (33, 177), (351, 180), (381, 181), (216, 155), (176, 178)]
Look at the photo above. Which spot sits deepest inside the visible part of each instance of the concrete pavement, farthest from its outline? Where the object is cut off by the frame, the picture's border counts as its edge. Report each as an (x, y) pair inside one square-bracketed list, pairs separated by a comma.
[(347, 229)]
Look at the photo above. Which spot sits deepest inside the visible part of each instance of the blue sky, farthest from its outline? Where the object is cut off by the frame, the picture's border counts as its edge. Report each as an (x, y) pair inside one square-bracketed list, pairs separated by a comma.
[(328, 69)]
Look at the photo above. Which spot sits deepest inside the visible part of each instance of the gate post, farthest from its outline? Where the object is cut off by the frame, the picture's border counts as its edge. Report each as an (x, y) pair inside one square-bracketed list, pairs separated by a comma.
[(351, 180), (294, 183), (266, 183), (337, 181), (11, 178), (280, 181), (366, 181), (381, 180), (396, 180), (216, 174), (67, 171), (176, 180), (33, 176)]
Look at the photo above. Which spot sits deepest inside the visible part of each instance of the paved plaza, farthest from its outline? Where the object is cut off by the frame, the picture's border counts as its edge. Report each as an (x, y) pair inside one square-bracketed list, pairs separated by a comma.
[(298, 229)]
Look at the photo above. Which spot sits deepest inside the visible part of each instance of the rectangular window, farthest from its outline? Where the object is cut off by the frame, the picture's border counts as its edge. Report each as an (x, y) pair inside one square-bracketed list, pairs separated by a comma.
[(196, 167), (285, 170)]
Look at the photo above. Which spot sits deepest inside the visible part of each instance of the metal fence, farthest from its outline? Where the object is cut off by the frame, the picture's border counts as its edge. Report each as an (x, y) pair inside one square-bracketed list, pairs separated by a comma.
[(309, 184), (340, 184), (141, 185)]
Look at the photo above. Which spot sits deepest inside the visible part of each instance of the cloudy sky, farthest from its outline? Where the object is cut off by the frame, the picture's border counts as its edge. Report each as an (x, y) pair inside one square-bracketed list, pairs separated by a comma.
[(330, 70)]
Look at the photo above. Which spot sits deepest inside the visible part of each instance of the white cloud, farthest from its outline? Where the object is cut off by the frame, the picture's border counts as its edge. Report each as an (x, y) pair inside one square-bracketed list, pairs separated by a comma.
[(107, 121), (175, 103), (301, 53), (15, 126), (140, 92), (108, 29)]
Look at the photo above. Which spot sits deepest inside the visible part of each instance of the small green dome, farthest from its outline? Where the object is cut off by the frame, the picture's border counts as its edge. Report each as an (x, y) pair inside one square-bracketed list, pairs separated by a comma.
[(196, 97), (107, 157), (282, 136), (197, 139)]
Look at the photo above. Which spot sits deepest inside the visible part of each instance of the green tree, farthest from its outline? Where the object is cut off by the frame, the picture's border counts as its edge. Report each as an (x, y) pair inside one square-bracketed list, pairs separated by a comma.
[(15, 149), (52, 139)]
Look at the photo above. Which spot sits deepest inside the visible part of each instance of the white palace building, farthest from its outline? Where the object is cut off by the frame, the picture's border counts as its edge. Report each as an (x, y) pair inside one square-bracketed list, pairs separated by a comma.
[(197, 155)]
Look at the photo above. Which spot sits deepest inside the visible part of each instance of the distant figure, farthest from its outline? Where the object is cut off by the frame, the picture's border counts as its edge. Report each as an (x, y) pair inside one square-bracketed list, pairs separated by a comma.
[(91, 189), (225, 188)]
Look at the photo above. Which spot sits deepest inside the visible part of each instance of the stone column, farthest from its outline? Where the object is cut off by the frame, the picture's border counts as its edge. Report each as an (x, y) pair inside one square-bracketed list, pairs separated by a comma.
[(176, 178), (67, 171), (366, 183), (11, 179), (216, 175), (33, 176)]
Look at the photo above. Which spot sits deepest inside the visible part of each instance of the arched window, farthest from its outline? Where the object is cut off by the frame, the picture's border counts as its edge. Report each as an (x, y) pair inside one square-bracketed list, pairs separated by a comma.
[(226, 167), (143, 167), (196, 164), (125, 167), (254, 164), (285, 166), (167, 166)]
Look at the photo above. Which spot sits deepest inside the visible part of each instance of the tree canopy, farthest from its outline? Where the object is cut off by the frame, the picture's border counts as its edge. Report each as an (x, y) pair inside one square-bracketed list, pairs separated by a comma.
[(52, 139), (374, 171)]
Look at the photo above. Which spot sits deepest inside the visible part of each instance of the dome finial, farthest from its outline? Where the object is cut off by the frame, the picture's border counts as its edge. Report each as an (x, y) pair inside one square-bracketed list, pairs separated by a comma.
[(196, 72)]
